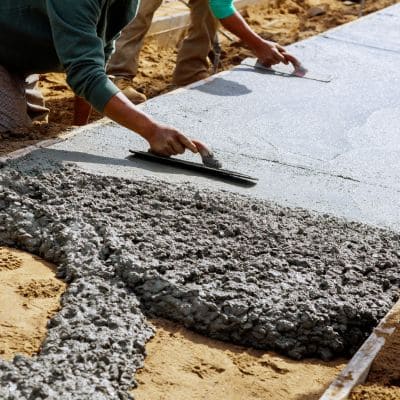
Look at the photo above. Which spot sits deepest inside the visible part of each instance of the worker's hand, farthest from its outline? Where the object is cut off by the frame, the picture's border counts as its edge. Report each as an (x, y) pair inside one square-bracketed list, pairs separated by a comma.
[(270, 53), (167, 141)]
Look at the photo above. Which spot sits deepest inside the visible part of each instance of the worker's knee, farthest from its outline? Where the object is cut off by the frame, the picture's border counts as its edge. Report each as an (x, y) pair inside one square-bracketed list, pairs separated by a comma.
[(13, 105)]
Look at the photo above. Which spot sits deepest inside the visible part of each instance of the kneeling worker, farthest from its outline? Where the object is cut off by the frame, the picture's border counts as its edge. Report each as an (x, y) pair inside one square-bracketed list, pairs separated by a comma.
[(77, 37)]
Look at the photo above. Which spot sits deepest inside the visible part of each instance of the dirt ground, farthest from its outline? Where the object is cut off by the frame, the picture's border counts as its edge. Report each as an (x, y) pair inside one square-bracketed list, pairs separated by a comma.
[(181, 364), (283, 21), (29, 297), (383, 382)]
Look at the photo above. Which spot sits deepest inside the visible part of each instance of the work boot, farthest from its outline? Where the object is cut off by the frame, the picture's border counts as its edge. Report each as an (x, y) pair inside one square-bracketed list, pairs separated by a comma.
[(188, 80), (126, 87)]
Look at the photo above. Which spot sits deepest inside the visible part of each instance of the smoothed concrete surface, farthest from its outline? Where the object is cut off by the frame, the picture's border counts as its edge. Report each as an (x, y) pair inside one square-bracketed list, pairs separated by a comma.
[(331, 147), (368, 32)]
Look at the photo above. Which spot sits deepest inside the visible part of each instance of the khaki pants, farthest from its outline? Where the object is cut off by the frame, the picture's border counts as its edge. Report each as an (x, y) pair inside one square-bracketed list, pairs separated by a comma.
[(20, 102), (192, 62)]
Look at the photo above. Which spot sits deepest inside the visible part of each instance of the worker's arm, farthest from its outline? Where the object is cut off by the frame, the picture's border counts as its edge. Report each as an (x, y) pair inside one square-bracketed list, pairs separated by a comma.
[(82, 111), (268, 53), (82, 54), (163, 139)]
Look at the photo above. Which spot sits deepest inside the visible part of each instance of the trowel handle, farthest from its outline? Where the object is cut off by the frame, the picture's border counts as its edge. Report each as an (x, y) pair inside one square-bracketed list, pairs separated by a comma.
[(203, 149), (299, 70), (207, 155)]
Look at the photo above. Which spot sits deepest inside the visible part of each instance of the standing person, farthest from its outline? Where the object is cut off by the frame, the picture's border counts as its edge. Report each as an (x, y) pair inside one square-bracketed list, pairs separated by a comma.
[(38, 36), (191, 63)]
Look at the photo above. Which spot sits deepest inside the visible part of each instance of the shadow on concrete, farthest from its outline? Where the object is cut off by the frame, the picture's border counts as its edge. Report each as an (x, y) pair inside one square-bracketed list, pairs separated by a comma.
[(52, 158), (222, 87)]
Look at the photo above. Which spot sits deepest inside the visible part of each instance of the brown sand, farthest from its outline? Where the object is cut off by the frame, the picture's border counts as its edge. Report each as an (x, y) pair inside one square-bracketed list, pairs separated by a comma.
[(29, 296), (383, 381), (183, 365), (180, 363), (284, 21)]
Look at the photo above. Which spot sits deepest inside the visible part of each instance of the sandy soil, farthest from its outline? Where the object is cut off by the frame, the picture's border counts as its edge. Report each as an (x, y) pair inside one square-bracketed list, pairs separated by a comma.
[(182, 364), (284, 21), (383, 381), (29, 297)]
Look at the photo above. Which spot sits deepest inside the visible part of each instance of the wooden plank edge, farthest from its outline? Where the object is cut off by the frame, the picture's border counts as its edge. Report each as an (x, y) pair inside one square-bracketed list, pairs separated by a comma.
[(356, 371), (181, 20)]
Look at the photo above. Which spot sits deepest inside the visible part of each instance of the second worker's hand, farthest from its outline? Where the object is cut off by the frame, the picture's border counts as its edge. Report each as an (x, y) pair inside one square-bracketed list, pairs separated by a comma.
[(270, 53), (168, 141)]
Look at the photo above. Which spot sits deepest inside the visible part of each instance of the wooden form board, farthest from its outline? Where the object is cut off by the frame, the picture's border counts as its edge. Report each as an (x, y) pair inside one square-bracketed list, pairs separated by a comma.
[(357, 369)]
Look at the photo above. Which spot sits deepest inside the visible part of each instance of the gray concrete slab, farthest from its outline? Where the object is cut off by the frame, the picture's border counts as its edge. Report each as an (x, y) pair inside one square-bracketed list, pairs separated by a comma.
[(331, 147), (368, 31)]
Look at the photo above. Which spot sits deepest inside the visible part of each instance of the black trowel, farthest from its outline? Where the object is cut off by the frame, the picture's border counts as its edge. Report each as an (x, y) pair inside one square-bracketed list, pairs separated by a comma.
[(211, 165)]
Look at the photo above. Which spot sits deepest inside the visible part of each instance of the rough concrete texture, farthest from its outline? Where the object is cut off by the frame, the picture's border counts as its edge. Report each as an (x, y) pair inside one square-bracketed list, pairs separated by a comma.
[(228, 266), (96, 341)]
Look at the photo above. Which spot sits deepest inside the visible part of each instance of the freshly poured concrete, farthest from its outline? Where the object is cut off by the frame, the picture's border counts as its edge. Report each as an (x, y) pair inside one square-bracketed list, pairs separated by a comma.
[(330, 147), (228, 266)]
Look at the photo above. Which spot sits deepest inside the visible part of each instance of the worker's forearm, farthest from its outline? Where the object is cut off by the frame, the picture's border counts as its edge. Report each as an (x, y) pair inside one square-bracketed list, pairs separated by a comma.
[(163, 140), (82, 111), (267, 53), (122, 111), (239, 27)]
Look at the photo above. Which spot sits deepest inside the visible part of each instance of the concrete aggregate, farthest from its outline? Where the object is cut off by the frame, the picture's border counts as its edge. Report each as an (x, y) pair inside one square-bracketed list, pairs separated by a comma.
[(228, 266)]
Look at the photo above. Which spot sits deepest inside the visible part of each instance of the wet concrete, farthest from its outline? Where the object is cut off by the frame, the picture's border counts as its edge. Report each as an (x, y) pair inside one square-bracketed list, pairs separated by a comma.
[(228, 266)]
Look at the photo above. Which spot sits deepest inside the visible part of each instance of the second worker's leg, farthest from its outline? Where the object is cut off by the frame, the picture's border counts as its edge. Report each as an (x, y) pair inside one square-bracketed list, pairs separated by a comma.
[(123, 64), (36, 107), (192, 62)]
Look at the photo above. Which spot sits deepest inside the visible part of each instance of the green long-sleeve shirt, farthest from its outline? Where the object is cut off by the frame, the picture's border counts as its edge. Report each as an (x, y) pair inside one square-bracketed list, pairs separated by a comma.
[(75, 36)]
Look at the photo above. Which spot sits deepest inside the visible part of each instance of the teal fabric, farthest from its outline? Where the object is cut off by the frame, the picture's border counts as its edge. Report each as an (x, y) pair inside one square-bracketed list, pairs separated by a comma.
[(75, 36), (222, 8)]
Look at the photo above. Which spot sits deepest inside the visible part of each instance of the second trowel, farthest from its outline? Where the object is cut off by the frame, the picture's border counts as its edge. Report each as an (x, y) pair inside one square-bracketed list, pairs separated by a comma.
[(288, 71)]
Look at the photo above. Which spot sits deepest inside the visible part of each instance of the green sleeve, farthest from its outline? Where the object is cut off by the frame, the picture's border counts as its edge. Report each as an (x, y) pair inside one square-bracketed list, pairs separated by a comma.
[(222, 8), (80, 50)]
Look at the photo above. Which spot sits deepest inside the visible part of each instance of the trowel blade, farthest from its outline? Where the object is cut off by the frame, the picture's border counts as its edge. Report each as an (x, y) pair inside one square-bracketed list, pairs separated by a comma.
[(287, 71), (192, 166)]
